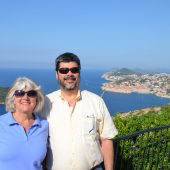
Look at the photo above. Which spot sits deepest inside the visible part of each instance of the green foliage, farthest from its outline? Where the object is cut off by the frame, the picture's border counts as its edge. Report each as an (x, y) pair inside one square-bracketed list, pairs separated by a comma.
[(168, 91), (3, 92), (135, 123), (124, 71), (149, 150)]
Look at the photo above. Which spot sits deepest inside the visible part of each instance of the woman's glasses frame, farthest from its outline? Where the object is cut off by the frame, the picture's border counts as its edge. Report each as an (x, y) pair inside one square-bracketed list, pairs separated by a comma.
[(21, 93)]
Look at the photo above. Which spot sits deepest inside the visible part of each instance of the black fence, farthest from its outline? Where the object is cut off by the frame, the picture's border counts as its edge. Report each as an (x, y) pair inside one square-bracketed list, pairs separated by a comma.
[(144, 150)]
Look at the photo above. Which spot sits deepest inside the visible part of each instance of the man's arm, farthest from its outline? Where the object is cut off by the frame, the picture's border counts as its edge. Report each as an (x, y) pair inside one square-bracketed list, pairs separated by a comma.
[(44, 164), (108, 153)]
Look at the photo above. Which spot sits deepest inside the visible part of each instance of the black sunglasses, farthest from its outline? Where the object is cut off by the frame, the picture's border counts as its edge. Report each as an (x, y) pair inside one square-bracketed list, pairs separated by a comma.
[(65, 70), (21, 93)]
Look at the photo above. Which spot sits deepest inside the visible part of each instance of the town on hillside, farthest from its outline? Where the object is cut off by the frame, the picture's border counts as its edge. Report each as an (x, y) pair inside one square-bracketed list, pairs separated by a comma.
[(128, 81)]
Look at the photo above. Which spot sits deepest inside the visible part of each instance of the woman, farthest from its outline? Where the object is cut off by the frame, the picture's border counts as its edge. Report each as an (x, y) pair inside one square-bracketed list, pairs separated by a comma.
[(23, 135)]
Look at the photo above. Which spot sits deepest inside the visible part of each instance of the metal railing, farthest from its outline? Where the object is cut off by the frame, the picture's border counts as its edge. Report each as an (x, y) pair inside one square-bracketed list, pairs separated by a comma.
[(144, 150)]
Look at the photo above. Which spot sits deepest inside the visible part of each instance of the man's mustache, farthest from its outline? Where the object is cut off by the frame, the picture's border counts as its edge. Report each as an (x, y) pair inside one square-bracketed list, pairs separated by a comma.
[(70, 78)]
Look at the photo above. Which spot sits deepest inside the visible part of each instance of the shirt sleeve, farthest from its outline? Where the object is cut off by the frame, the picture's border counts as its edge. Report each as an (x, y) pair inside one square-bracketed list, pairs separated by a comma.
[(108, 129)]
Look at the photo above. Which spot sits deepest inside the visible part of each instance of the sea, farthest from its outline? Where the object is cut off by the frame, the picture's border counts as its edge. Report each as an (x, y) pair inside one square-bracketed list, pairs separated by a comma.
[(90, 80)]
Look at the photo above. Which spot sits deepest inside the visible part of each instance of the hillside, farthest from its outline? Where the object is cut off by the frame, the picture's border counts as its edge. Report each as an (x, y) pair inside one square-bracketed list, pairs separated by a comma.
[(3, 92), (140, 112), (124, 71), (142, 119), (128, 81)]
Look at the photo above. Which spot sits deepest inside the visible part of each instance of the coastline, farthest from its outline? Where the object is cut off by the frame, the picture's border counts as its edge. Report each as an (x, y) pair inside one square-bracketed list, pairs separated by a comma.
[(123, 82), (139, 112), (128, 91), (3, 93)]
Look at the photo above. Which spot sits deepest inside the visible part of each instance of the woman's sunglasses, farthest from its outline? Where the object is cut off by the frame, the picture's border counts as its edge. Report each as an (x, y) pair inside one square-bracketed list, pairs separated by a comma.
[(65, 70), (21, 93)]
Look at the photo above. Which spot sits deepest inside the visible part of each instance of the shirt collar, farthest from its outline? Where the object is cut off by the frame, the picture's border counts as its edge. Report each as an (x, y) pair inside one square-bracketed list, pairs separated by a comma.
[(12, 121), (78, 97), (37, 121)]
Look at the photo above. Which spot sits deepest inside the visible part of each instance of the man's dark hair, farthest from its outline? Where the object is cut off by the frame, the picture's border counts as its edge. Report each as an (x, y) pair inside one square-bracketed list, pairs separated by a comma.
[(67, 57)]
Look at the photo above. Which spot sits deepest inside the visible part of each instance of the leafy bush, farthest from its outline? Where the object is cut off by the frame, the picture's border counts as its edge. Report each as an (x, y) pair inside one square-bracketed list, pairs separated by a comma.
[(3, 92), (133, 123), (146, 149)]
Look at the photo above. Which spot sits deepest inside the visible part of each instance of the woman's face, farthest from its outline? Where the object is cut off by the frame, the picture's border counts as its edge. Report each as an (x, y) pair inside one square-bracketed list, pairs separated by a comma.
[(25, 102)]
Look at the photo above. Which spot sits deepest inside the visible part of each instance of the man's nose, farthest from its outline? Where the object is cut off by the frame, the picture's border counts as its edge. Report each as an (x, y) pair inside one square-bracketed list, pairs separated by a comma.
[(69, 72)]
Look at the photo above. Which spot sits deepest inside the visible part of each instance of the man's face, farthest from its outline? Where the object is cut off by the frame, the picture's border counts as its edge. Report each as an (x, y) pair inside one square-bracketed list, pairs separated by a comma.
[(68, 75)]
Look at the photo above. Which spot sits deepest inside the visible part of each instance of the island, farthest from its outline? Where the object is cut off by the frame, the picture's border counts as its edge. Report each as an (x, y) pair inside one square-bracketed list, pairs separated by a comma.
[(3, 93), (127, 81)]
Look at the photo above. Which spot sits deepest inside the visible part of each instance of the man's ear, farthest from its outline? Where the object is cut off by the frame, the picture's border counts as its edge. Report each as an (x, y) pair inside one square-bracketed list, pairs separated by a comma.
[(56, 75)]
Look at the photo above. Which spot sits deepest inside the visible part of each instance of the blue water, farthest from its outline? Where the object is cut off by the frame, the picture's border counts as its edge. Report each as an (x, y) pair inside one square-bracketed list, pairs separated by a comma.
[(90, 80)]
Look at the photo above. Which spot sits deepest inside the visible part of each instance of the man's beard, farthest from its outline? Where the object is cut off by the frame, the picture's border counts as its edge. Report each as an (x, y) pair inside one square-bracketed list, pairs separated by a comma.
[(69, 86)]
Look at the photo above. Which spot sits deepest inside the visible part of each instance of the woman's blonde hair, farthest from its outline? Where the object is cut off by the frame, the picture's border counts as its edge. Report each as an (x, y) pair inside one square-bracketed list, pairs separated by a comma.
[(20, 84)]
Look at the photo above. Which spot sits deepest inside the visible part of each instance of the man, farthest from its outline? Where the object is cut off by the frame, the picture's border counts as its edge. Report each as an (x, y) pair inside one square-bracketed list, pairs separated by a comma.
[(80, 126)]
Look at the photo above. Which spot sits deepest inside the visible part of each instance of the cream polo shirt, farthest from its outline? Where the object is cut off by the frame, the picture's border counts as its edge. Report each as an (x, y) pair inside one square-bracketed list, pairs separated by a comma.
[(74, 132)]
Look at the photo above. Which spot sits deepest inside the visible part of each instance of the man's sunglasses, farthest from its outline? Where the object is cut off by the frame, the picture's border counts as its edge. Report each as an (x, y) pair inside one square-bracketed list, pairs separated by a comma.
[(65, 70), (21, 93)]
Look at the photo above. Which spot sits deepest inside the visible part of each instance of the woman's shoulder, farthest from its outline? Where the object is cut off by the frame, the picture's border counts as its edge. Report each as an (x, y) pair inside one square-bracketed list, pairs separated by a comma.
[(41, 121), (5, 118)]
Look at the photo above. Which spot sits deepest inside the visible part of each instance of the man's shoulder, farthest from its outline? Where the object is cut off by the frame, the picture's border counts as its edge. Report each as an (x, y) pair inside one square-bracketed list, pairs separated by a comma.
[(53, 94), (91, 95), (49, 100)]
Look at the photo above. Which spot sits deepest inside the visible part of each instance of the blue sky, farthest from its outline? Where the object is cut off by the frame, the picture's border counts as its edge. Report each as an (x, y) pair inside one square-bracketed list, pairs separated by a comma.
[(105, 34)]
